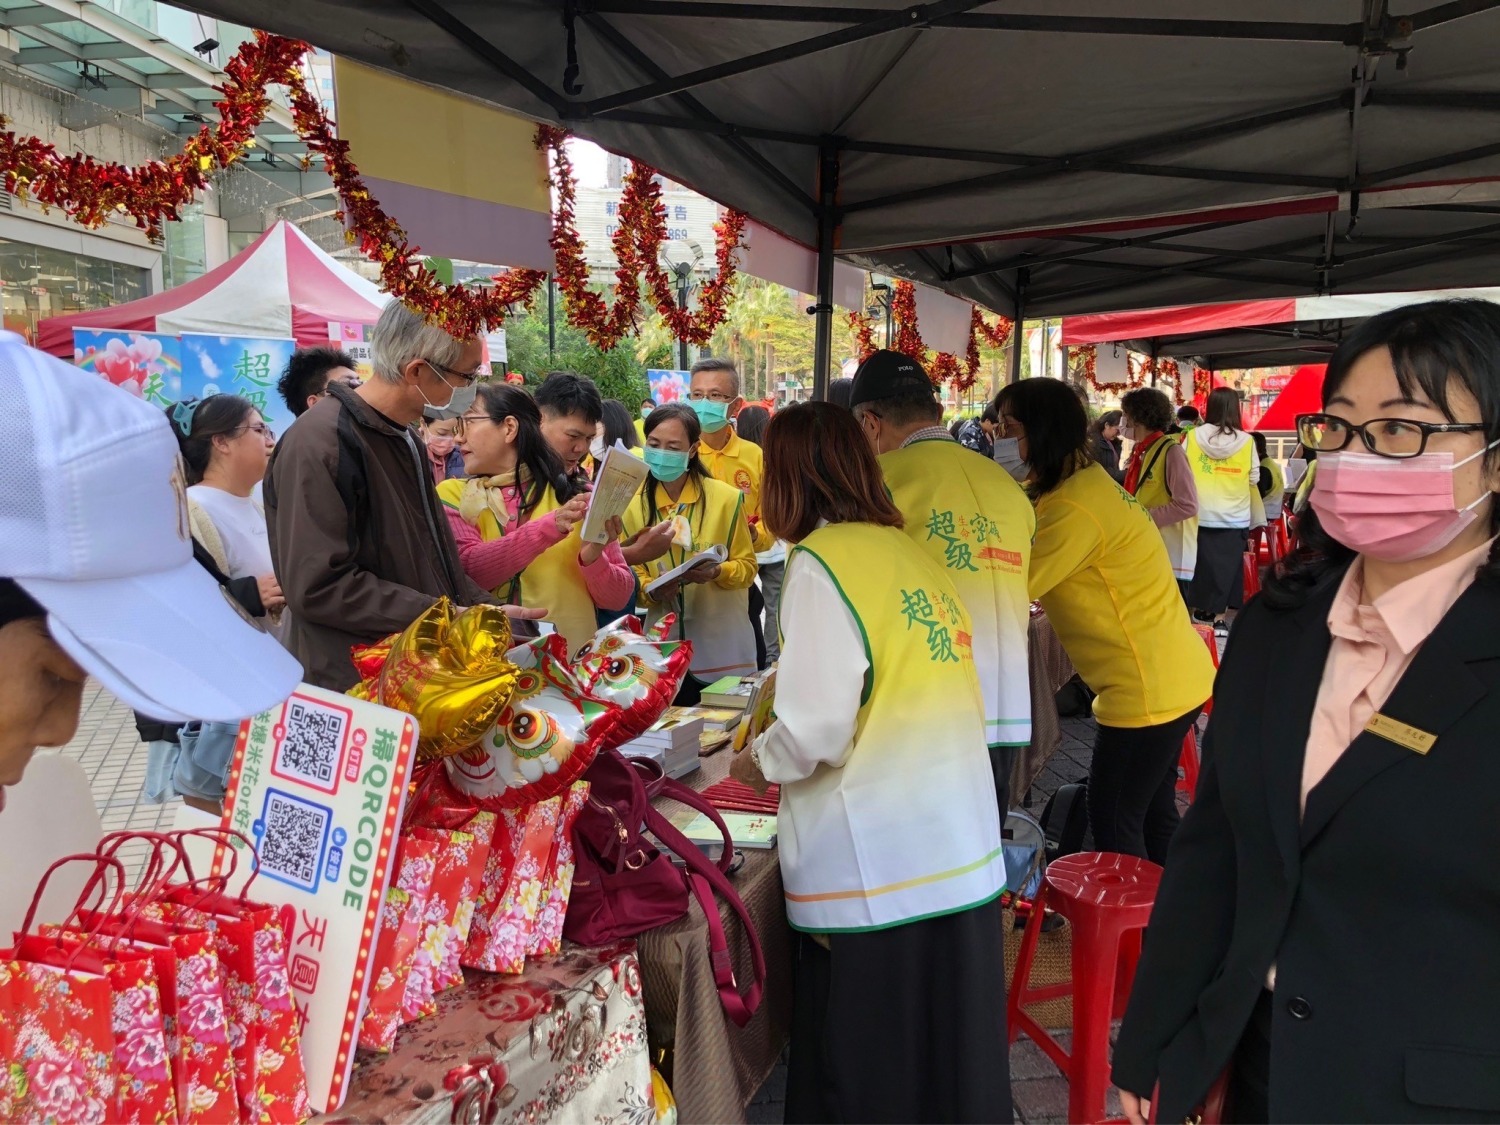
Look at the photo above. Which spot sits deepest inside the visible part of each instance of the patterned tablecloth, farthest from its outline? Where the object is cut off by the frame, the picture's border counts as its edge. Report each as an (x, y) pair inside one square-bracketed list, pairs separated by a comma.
[(564, 1041), (715, 1067)]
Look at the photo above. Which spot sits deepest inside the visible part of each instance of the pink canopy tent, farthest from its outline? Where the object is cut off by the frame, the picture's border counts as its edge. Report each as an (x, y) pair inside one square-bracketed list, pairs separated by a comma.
[(281, 285)]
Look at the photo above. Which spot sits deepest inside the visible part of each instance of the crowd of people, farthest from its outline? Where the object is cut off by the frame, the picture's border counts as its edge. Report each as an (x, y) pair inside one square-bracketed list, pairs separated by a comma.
[(197, 565)]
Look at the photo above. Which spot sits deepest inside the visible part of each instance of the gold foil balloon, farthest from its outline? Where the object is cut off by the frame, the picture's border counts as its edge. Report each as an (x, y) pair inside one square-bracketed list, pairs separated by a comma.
[(447, 670)]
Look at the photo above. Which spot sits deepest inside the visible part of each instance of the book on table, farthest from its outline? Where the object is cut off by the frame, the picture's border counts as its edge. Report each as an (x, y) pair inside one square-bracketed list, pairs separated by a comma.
[(746, 830), (674, 741), (731, 691)]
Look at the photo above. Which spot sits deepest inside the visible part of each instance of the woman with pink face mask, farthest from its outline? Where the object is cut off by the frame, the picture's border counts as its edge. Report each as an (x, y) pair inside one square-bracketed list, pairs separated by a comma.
[(1339, 962), (443, 456)]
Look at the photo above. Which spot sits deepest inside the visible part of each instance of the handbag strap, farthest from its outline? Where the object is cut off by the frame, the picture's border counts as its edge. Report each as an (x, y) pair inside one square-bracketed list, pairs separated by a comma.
[(707, 878)]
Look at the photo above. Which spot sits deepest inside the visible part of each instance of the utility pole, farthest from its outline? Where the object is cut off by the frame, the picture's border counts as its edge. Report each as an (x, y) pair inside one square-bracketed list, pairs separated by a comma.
[(684, 275)]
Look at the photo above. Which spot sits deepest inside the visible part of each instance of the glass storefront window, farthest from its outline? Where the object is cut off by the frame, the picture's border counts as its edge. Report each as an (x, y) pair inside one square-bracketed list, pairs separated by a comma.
[(36, 282)]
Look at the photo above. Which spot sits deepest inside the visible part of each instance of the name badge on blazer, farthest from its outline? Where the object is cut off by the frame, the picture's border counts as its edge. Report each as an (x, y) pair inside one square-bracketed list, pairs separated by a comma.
[(1402, 734)]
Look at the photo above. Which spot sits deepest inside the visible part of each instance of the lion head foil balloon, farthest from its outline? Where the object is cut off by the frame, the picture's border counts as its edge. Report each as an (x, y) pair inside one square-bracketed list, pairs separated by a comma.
[(449, 671), (637, 671), (541, 741)]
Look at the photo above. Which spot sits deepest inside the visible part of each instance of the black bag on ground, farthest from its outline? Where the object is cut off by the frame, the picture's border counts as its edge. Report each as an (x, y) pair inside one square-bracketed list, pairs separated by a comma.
[(1065, 820)]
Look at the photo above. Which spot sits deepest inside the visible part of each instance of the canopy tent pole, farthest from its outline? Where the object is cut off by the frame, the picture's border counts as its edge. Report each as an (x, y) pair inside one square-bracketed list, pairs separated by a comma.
[(828, 182), (1023, 278)]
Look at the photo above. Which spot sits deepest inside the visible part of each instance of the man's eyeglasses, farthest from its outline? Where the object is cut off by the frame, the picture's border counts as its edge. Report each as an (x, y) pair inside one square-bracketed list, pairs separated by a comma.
[(1384, 437), (711, 396), (467, 376)]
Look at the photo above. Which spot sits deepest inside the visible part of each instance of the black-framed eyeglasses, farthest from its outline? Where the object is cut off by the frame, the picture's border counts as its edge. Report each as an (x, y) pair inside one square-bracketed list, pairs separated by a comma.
[(467, 376), (1384, 437), (709, 396)]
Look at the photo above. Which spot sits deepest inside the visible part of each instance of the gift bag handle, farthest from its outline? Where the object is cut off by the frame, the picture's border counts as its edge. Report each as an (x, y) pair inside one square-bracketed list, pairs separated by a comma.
[(225, 837), (94, 882)]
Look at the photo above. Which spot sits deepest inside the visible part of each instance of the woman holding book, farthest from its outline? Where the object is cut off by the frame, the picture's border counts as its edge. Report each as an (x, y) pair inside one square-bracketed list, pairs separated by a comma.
[(888, 825), (517, 516), (712, 599)]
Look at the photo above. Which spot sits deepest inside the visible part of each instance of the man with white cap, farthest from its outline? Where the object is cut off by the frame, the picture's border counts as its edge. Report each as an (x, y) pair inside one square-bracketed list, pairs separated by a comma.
[(97, 575)]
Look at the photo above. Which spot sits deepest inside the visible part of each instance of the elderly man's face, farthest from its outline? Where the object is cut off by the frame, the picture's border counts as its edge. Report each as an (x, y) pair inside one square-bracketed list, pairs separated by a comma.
[(429, 384)]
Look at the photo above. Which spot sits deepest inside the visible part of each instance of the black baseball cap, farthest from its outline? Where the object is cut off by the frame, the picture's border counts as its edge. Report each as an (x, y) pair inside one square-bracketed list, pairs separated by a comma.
[(887, 374)]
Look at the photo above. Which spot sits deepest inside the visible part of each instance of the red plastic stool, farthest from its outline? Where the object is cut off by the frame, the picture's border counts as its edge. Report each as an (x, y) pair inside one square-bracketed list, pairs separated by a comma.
[(1252, 575), (1187, 762), (1107, 901)]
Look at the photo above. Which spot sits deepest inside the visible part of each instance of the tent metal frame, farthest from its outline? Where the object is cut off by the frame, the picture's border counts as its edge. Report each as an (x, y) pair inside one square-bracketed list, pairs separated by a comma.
[(1376, 35)]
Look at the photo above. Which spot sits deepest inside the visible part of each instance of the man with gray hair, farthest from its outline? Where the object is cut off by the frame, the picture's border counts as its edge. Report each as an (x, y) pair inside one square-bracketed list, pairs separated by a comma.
[(358, 539)]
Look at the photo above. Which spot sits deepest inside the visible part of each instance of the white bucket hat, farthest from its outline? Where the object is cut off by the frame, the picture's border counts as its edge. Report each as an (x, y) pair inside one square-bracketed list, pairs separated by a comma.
[(94, 526)]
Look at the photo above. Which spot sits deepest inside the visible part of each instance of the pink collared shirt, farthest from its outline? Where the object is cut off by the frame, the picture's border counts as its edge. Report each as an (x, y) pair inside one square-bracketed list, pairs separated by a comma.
[(1373, 645)]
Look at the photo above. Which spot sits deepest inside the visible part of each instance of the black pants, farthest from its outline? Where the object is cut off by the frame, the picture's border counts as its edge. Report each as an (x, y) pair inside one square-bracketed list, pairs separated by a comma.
[(1002, 762), (1133, 787), (1219, 577), (757, 608), (1249, 1094), (903, 1024)]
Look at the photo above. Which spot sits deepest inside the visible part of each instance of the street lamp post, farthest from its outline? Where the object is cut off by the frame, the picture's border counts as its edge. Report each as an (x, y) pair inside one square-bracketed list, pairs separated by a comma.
[(684, 273)]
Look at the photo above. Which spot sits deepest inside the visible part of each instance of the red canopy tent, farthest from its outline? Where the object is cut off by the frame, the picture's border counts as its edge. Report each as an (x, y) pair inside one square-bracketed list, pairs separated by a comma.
[(281, 285), (1303, 395)]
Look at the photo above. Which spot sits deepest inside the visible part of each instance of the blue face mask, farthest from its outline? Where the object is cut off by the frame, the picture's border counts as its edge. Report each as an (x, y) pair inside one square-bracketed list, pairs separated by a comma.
[(666, 465), (712, 416)]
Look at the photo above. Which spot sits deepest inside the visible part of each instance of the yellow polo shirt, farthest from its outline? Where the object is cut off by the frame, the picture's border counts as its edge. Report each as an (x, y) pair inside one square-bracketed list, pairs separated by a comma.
[(1101, 571), (740, 464)]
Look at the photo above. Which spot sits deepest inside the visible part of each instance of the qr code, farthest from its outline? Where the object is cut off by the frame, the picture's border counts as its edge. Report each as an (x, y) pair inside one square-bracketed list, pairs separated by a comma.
[(292, 838), (313, 743)]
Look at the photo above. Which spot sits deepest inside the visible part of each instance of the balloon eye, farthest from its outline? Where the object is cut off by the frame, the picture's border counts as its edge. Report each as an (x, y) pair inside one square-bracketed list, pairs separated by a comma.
[(530, 731)]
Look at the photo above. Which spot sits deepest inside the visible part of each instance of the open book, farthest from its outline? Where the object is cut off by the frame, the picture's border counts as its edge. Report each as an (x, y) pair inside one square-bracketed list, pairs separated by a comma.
[(620, 475), (716, 554)]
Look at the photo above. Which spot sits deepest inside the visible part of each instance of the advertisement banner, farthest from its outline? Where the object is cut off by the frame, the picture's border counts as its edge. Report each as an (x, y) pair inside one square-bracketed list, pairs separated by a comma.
[(667, 386), (238, 365), (147, 364)]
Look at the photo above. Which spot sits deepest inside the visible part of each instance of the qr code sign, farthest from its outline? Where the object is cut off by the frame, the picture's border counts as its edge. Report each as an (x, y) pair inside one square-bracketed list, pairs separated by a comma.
[(310, 743), (292, 834)]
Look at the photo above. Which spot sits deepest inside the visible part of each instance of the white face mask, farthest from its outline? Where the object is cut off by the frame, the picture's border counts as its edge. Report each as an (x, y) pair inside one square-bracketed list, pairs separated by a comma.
[(1008, 454), (596, 448), (458, 402)]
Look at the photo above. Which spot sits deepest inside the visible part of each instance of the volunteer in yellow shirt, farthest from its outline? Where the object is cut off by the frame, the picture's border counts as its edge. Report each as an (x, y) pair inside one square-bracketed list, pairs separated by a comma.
[(711, 602), (714, 394), (971, 518), (1100, 569)]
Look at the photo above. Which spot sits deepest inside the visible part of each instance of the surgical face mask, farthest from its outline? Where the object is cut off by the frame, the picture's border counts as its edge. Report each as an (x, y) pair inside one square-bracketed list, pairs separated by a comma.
[(1008, 454), (712, 416), (1127, 430), (458, 402), (596, 449), (1392, 510), (666, 465), (646, 411)]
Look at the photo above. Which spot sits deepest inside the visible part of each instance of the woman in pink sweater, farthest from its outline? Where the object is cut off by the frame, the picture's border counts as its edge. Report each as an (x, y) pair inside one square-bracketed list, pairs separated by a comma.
[(516, 519)]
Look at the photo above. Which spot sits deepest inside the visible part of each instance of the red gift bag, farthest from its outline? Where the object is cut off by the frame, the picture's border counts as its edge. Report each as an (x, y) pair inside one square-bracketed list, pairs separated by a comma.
[(455, 853), (251, 944), (57, 1033), (509, 830), (546, 932), (401, 920), (450, 973)]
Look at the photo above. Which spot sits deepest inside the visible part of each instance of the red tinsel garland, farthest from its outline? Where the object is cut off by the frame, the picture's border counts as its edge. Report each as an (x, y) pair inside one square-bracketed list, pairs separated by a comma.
[(89, 191), (942, 367), (864, 335), (1089, 353)]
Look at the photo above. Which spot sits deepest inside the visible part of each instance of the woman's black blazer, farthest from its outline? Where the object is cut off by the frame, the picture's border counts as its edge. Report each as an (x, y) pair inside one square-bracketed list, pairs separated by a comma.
[(1379, 906)]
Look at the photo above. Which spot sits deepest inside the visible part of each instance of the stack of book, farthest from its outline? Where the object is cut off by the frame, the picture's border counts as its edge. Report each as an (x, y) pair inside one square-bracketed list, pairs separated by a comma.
[(673, 742)]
